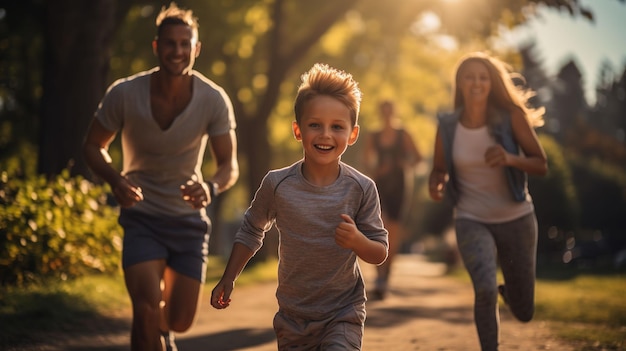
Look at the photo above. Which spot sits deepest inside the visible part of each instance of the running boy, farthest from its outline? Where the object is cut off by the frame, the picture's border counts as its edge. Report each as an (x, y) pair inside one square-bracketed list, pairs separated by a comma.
[(327, 214)]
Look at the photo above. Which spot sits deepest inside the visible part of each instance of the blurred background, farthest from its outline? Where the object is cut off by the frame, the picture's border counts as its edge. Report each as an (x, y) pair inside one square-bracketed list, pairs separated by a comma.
[(58, 57)]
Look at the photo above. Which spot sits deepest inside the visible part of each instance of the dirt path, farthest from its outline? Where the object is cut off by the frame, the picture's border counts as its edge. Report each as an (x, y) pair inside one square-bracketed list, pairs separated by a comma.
[(424, 311)]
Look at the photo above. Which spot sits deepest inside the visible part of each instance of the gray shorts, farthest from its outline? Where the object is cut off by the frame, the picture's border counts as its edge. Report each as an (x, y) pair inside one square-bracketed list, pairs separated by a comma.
[(183, 242), (342, 331)]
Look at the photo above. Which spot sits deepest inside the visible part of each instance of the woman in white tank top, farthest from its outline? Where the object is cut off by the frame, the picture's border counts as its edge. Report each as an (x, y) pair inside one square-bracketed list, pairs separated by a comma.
[(480, 152)]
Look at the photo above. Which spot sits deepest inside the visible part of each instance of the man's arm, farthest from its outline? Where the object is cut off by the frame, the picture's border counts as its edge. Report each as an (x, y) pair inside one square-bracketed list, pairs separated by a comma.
[(95, 151), (224, 148)]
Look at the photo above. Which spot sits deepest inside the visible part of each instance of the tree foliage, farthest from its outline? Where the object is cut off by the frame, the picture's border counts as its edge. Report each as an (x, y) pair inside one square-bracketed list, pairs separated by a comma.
[(251, 47), (56, 59)]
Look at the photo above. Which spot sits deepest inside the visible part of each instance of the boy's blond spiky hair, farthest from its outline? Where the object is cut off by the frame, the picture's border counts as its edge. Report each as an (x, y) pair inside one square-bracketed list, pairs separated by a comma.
[(322, 79)]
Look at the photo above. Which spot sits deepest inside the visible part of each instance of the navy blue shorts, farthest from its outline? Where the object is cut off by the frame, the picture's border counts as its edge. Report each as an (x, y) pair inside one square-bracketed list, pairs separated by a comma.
[(183, 242)]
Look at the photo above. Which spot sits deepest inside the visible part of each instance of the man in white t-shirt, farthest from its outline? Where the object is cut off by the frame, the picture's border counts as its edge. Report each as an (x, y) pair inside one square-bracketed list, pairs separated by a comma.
[(165, 117)]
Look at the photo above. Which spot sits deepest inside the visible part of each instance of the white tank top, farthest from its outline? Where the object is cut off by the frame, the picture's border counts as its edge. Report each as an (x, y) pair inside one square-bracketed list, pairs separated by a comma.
[(484, 193)]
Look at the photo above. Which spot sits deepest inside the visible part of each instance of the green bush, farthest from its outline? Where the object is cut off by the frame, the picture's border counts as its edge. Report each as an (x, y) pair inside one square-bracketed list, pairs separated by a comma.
[(58, 228)]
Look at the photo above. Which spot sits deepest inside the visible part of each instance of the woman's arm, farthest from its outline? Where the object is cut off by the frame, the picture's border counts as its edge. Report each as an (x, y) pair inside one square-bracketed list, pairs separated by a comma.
[(532, 161), (439, 174)]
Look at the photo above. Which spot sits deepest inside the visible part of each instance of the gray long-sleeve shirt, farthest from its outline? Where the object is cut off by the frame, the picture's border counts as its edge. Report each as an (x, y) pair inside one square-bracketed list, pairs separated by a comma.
[(316, 277)]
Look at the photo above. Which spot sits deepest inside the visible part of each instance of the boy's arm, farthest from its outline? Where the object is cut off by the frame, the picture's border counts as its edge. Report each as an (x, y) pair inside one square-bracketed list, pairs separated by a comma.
[(239, 257), (257, 221), (348, 236)]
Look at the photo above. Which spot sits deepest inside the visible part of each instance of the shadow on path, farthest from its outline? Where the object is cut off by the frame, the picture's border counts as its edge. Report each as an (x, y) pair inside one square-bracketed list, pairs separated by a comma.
[(384, 317), (236, 339)]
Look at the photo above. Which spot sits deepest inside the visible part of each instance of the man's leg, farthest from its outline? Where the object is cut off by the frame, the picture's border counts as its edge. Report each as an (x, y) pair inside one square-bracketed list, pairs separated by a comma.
[(181, 296), (143, 281)]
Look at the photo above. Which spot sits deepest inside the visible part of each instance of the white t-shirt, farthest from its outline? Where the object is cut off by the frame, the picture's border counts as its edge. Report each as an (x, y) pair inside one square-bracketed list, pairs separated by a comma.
[(484, 192), (160, 161)]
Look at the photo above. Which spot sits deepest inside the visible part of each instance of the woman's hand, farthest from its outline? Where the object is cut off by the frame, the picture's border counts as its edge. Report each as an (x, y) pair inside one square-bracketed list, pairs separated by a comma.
[(496, 156), (436, 185)]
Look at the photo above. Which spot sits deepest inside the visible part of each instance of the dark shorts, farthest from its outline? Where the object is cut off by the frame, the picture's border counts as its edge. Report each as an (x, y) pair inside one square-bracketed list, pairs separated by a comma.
[(393, 196), (183, 242)]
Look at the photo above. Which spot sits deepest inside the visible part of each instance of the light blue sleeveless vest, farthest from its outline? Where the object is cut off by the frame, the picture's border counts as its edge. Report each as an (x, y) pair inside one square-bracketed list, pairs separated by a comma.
[(503, 133)]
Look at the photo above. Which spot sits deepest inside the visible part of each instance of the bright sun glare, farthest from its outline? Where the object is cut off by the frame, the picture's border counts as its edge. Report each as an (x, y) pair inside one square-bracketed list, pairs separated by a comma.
[(428, 24)]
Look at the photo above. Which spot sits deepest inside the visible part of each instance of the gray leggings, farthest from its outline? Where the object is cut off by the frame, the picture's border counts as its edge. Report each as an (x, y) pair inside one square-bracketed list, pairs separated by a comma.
[(514, 245)]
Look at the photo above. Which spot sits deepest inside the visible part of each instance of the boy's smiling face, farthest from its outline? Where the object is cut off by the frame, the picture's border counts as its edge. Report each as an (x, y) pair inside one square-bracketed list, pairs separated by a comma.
[(325, 130)]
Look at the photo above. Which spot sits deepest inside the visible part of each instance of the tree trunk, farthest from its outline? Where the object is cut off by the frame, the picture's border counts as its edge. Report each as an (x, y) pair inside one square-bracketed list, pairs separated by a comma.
[(78, 38)]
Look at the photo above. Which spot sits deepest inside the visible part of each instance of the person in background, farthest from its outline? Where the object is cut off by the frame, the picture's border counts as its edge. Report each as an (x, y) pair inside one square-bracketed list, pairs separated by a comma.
[(390, 158), (483, 153), (165, 116), (327, 215)]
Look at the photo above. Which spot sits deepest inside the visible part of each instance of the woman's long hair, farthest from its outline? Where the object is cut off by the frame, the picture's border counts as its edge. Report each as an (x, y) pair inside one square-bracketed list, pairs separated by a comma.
[(504, 94)]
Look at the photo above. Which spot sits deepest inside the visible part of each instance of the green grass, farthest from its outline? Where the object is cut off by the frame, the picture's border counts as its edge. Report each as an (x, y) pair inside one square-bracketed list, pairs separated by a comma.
[(587, 310)]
